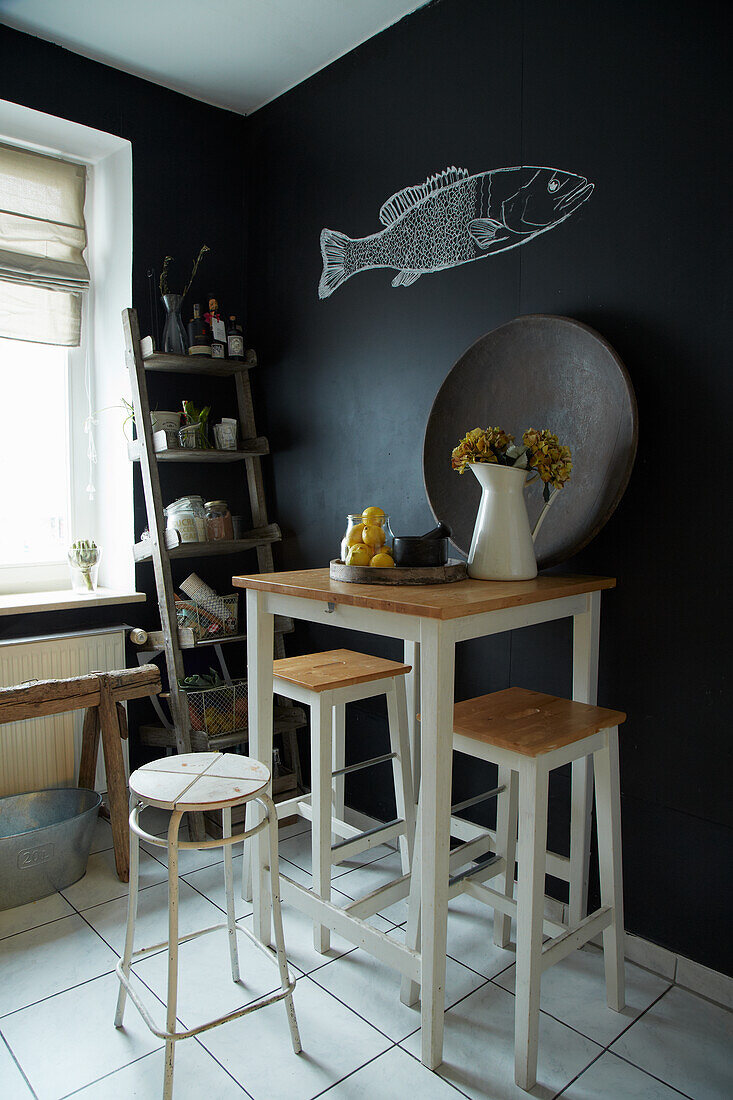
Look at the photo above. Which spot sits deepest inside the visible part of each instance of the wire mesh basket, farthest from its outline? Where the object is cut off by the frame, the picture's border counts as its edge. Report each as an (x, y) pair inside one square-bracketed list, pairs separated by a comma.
[(210, 617), (218, 710)]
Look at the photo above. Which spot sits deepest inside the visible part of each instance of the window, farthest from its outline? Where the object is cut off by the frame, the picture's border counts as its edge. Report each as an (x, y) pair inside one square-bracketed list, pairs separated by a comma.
[(65, 274)]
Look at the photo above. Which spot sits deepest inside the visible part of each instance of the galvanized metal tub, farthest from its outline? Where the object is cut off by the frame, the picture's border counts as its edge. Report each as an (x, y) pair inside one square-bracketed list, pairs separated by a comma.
[(45, 837)]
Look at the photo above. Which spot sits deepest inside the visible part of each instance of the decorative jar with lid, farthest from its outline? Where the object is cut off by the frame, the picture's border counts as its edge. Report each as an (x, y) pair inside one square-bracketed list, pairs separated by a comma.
[(218, 521)]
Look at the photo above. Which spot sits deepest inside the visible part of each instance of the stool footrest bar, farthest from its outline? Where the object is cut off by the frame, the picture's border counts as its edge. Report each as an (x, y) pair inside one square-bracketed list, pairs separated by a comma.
[(483, 866), (573, 938), (353, 929), (365, 764), (261, 1002), (370, 838), (493, 793)]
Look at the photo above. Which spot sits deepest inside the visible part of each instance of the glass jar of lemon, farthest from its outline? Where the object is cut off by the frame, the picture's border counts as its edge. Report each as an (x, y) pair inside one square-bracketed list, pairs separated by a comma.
[(368, 539)]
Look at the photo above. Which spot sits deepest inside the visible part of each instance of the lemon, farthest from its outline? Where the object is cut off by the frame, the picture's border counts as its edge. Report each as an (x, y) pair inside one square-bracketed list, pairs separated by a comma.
[(354, 536), (373, 515), (359, 555), (382, 561), (373, 535)]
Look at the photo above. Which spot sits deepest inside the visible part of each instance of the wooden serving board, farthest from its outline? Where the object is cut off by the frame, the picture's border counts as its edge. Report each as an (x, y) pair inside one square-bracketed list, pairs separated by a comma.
[(405, 574)]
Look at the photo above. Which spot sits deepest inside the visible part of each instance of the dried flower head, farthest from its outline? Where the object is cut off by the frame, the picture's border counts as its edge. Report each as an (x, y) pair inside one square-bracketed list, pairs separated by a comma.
[(548, 457), (481, 445)]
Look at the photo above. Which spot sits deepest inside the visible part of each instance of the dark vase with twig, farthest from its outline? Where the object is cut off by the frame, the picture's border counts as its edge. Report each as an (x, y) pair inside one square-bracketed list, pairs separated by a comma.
[(175, 340)]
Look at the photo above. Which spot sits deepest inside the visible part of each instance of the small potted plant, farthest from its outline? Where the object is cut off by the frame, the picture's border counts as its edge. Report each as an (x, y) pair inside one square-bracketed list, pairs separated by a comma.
[(84, 557)]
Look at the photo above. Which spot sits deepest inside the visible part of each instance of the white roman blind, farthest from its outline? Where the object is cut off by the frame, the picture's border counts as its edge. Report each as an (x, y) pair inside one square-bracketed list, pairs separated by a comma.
[(42, 242)]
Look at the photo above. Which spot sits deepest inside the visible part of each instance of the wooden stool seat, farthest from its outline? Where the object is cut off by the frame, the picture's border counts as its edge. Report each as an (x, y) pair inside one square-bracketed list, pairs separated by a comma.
[(199, 781), (336, 668), (528, 722)]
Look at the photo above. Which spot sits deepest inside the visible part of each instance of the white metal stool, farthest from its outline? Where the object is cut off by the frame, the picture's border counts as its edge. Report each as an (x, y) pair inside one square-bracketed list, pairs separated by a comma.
[(528, 735), (195, 782), (326, 682)]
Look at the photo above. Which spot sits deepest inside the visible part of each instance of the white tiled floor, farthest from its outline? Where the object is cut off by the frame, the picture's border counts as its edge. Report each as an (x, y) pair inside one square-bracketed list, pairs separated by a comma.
[(58, 993)]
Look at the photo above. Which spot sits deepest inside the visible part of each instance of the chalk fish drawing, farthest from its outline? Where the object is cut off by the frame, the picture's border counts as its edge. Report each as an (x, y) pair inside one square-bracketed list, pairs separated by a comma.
[(454, 218)]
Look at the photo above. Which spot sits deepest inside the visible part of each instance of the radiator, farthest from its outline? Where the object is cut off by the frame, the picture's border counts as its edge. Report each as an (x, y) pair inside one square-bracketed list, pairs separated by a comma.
[(44, 752)]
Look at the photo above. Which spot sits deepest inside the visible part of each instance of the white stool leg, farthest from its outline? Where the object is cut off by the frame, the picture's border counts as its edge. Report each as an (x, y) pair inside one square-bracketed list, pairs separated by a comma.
[(249, 821), (506, 846), (131, 918), (321, 808), (172, 1001), (399, 736), (226, 820), (608, 820), (410, 990), (277, 921), (533, 785), (338, 739)]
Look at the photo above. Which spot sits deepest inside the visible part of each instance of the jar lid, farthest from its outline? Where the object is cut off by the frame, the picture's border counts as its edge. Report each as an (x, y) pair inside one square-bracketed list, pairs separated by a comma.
[(216, 504)]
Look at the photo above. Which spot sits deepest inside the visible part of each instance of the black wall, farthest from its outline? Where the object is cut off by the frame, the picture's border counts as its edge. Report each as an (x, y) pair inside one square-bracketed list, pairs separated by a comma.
[(636, 97)]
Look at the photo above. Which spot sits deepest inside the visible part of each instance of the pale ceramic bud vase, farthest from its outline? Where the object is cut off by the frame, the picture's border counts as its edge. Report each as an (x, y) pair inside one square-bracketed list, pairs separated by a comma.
[(502, 547)]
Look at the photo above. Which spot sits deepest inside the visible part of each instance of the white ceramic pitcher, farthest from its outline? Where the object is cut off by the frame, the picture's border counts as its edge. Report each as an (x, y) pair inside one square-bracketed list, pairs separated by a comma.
[(502, 547)]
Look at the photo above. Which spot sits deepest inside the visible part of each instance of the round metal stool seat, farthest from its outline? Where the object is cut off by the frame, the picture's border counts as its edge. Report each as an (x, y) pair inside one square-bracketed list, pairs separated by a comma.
[(199, 781)]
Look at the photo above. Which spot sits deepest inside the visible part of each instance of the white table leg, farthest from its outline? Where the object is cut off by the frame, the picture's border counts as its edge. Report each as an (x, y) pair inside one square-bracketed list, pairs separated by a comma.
[(412, 686), (586, 634), (260, 641), (438, 664)]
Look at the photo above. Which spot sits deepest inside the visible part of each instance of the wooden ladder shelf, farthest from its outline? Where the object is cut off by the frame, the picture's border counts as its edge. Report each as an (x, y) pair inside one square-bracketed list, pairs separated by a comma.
[(170, 639)]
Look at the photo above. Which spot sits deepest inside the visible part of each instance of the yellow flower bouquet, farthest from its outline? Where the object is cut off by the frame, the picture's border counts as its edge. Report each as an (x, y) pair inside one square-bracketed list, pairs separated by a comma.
[(540, 452)]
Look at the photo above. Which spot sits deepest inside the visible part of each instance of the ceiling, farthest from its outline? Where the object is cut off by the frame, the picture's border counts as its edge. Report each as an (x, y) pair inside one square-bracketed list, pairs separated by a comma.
[(237, 54)]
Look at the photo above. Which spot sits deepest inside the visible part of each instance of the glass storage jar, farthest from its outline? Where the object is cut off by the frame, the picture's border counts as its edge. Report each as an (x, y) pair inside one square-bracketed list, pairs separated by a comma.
[(374, 534), (187, 517), (218, 521)]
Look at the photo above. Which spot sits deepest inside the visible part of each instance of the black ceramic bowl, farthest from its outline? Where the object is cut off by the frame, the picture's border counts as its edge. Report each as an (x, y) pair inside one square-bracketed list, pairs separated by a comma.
[(416, 551)]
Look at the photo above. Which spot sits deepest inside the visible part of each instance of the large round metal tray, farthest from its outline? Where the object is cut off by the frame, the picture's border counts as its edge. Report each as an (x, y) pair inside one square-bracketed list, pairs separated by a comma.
[(538, 371)]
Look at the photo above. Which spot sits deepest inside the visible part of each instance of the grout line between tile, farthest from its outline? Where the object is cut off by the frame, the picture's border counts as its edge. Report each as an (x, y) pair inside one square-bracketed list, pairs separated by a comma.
[(648, 1074), (346, 1076), (639, 1017), (58, 993), (433, 1071), (577, 1075), (20, 1069)]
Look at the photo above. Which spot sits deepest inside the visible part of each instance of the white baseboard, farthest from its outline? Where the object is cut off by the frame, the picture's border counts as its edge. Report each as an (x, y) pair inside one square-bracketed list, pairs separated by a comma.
[(701, 979)]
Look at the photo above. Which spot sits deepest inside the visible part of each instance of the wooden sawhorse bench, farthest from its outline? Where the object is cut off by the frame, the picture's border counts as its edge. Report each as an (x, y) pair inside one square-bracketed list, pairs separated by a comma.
[(101, 694)]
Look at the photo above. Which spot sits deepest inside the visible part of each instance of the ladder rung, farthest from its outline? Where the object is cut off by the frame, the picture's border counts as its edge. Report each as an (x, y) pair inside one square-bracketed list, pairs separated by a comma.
[(476, 799), (368, 832), (365, 764), (472, 870)]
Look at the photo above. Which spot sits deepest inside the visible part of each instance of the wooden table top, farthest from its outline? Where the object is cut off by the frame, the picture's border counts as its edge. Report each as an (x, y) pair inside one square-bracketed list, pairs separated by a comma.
[(431, 601)]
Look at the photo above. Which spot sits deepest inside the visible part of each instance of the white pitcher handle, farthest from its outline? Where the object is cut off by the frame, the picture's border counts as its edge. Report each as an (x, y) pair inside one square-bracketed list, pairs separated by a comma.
[(543, 513)]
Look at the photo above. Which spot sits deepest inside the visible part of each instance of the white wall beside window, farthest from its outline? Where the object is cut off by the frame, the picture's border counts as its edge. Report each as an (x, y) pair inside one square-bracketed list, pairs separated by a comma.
[(97, 373)]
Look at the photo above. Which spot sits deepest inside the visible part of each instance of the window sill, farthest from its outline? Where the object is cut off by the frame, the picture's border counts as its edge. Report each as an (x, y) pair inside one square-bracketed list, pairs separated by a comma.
[(25, 603)]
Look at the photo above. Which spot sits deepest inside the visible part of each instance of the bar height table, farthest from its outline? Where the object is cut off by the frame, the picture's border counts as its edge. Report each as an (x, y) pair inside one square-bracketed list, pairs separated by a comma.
[(429, 619)]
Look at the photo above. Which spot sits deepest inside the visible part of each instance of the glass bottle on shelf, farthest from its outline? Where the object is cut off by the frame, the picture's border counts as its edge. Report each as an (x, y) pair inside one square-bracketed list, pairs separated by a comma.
[(199, 333), (218, 330), (235, 340)]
